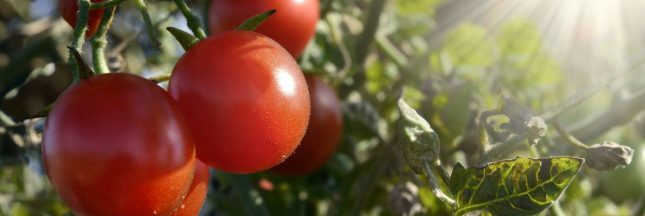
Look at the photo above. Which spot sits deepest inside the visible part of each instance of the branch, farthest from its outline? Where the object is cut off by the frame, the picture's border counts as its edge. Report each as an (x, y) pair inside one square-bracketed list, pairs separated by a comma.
[(568, 137), (79, 35), (99, 42), (371, 25), (150, 27), (620, 113)]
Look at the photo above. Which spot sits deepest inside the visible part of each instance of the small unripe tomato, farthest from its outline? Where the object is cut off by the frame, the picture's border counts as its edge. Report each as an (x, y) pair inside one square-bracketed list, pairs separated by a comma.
[(116, 144), (323, 133), (244, 98), (69, 10), (292, 26), (194, 200)]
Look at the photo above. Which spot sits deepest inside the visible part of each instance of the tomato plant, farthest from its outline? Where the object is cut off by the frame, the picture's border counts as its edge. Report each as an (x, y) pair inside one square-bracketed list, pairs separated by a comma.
[(194, 200), (115, 144), (293, 25), (69, 10), (323, 133), (247, 104)]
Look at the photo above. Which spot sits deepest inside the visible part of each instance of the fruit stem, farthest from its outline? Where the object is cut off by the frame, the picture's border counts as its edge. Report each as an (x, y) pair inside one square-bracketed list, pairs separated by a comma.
[(160, 78), (99, 42), (79, 35), (191, 19), (150, 27), (105, 4)]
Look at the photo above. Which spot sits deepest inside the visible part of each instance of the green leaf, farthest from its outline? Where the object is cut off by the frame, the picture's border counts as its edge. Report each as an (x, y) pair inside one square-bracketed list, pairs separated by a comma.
[(521, 186), (420, 142)]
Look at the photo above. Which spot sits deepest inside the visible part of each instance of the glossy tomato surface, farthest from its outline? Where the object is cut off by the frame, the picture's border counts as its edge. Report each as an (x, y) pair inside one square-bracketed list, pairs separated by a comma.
[(323, 133), (244, 98), (194, 200), (115, 144), (69, 10), (293, 25)]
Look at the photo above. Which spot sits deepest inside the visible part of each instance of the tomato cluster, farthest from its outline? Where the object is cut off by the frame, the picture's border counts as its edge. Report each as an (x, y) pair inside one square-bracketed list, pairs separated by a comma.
[(118, 144)]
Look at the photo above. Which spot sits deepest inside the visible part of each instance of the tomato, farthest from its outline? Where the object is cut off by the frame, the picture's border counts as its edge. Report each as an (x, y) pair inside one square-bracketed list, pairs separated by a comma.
[(244, 98), (69, 10), (194, 200), (293, 25), (116, 144), (323, 133)]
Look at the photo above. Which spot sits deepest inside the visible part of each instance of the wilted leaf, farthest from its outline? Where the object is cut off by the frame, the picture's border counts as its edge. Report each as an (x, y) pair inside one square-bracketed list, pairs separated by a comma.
[(521, 186), (420, 142)]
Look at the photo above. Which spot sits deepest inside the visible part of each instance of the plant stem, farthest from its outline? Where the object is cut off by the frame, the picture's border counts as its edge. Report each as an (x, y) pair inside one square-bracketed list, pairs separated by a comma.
[(105, 4), (150, 27), (99, 42), (160, 78), (436, 184), (385, 45), (191, 19), (567, 137), (79, 35), (556, 209), (623, 111)]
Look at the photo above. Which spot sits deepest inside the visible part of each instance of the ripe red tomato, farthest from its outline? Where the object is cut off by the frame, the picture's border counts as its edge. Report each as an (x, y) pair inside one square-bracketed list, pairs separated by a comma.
[(244, 98), (69, 10), (115, 144), (194, 200), (323, 133), (293, 25)]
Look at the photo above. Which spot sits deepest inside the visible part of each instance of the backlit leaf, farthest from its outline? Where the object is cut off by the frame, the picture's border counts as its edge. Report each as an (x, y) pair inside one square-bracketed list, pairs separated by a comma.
[(521, 186)]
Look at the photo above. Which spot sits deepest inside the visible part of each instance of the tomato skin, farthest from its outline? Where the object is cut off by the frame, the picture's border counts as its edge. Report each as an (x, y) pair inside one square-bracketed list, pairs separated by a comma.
[(116, 144), (244, 98), (69, 10), (194, 200), (293, 25), (323, 133)]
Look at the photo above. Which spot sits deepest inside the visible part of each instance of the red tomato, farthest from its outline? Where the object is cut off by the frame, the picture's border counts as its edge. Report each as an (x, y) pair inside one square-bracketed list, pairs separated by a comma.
[(293, 25), (323, 133), (244, 98), (194, 200), (69, 10), (115, 144)]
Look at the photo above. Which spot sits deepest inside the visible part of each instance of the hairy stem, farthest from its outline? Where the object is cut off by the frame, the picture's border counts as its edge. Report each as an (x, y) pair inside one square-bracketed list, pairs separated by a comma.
[(99, 42), (191, 19), (79, 35)]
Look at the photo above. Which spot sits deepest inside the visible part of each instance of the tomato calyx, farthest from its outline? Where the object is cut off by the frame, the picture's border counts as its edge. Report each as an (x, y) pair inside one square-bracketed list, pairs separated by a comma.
[(84, 71), (185, 39), (255, 21)]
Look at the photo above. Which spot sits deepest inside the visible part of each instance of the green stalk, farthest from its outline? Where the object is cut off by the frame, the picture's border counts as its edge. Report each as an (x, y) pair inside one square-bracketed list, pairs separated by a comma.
[(99, 42), (105, 4), (191, 19), (79, 35), (150, 27)]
